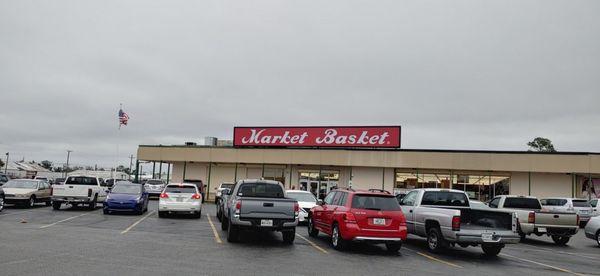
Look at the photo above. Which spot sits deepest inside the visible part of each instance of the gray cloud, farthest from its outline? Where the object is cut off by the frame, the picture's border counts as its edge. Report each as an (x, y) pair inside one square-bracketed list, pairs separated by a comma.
[(454, 74)]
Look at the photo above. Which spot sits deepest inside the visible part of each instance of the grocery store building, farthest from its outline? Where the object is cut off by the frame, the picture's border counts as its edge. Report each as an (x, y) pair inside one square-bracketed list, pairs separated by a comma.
[(372, 162)]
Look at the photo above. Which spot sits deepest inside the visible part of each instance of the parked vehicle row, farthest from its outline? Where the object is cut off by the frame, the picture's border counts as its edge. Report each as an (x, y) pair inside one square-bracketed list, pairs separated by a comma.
[(27, 192)]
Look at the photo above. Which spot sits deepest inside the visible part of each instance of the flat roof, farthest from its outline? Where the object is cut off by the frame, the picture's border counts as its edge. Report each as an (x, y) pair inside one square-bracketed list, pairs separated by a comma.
[(386, 149)]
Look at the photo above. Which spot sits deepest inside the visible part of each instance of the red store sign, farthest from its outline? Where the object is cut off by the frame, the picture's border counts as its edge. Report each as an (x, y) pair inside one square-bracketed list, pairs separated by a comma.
[(350, 137)]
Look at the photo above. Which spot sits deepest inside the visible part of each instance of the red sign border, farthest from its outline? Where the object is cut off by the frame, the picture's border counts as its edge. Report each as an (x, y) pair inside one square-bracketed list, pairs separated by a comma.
[(313, 147)]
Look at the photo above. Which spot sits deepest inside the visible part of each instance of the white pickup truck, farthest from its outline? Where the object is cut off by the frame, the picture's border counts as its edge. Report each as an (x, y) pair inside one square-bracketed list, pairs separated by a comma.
[(77, 190), (446, 218), (533, 219)]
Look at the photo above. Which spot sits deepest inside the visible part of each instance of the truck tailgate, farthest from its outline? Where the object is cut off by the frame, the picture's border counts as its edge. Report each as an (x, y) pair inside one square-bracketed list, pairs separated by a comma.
[(555, 219), (275, 208), (71, 190)]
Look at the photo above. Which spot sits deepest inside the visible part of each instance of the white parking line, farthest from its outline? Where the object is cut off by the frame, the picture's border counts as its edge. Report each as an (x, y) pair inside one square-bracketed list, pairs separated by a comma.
[(313, 244), (60, 221), (136, 223), (542, 264), (10, 214), (217, 238)]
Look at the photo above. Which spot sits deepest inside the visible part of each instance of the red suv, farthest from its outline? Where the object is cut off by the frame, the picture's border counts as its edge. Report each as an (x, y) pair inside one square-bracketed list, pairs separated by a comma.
[(347, 215)]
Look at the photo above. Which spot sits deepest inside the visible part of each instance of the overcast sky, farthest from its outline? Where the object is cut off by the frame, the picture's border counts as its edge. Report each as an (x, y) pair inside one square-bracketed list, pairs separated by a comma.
[(455, 74)]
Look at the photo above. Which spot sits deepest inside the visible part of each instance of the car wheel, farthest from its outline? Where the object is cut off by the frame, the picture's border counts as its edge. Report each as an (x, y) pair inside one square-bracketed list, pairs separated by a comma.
[(56, 205), (598, 237), (337, 241), (393, 247), (435, 240), (491, 250), (198, 214), (232, 233), (93, 204), (1, 203), (219, 214), (224, 223), (523, 237), (31, 202), (560, 240), (105, 211), (312, 231), (289, 236)]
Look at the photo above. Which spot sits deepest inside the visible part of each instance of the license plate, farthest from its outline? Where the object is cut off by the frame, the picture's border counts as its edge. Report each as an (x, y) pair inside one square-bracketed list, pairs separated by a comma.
[(179, 199), (542, 230), (379, 221), (266, 222), (487, 237)]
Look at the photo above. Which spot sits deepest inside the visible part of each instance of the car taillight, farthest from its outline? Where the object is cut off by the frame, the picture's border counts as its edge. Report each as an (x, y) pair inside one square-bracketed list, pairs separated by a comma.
[(456, 223), (89, 192), (238, 207), (531, 218), (349, 218), (164, 195), (296, 208), (196, 196)]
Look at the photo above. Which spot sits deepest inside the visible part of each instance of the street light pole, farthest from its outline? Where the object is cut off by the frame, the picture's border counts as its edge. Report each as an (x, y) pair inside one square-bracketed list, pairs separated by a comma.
[(6, 165), (67, 168)]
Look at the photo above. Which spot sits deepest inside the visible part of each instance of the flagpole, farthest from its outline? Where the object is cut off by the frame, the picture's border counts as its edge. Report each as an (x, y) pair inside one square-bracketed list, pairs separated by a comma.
[(118, 142)]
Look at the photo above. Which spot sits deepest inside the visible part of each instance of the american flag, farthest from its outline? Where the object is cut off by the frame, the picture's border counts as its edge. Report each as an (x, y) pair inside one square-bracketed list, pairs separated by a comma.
[(123, 118)]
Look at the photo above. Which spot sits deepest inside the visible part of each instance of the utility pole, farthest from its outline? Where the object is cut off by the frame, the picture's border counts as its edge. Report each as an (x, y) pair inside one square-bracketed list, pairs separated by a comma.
[(6, 165), (130, 164), (67, 169)]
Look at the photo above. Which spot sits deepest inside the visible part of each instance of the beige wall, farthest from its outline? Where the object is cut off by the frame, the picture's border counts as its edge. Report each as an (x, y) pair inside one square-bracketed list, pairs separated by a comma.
[(519, 183), (547, 185), (367, 178)]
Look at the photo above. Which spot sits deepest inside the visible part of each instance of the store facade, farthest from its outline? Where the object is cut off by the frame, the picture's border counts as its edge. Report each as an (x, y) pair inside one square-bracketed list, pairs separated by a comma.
[(482, 174)]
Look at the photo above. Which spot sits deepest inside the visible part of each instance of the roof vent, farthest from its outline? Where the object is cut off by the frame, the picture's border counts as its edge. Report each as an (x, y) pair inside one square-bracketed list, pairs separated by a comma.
[(190, 143)]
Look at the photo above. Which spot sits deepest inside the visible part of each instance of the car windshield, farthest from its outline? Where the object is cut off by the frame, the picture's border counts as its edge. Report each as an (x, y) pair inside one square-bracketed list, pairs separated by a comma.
[(375, 202), (522, 203), (594, 203), (227, 186), (443, 198), (581, 203), (23, 184), (180, 189), (260, 189), (130, 189), (553, 202), (81, 180), (155, 182), (303, 197)]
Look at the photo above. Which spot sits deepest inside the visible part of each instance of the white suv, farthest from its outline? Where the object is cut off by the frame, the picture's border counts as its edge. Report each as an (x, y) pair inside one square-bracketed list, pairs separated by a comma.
[(569, 205), (180, 198)]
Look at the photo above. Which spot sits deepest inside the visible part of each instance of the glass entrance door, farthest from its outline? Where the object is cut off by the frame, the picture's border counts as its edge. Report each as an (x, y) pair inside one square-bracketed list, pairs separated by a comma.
[(319, 184)]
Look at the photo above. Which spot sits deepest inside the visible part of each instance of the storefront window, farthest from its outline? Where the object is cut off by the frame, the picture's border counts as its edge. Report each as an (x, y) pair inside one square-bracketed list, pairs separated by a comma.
[(319, 183), (414, 179), (481, 186), (274, 173)]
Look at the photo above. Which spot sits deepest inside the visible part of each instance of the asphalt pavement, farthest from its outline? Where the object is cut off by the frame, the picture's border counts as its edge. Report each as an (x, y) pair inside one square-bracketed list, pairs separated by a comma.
[(77, 241)]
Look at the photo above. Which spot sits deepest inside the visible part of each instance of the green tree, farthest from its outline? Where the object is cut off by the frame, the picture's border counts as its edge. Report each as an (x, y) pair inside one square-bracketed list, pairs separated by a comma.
[(46, 164), (541, 144)]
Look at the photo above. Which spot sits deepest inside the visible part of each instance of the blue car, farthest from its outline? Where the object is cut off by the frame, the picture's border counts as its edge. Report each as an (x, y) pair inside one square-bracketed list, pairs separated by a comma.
[(126, 197)]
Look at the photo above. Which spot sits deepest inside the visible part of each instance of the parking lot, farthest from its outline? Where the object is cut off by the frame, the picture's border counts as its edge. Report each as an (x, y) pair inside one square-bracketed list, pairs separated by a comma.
[(75, 241)]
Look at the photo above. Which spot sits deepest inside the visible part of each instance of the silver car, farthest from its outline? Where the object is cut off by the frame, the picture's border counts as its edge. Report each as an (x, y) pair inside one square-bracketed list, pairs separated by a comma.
[(570, 205), (592, 229), (154, 186)]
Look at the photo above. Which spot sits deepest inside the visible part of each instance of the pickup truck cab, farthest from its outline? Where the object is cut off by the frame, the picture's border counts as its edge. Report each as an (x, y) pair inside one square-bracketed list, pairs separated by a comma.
[(446, 218), (259, 205), (535, 220), (85, 190)]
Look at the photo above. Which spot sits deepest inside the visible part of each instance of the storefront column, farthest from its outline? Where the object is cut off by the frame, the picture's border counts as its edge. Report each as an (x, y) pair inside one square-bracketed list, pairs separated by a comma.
[(208, 180), (263, 171), (573, 185), (235, 173), (291, 168), (184, 168), (153, 169), (383, 178), (529, 183), (168, 171)]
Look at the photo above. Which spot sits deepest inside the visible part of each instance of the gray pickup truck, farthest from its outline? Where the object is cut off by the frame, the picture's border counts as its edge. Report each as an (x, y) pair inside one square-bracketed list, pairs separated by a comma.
[(259, 205), (533, 219), (446, 218)]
